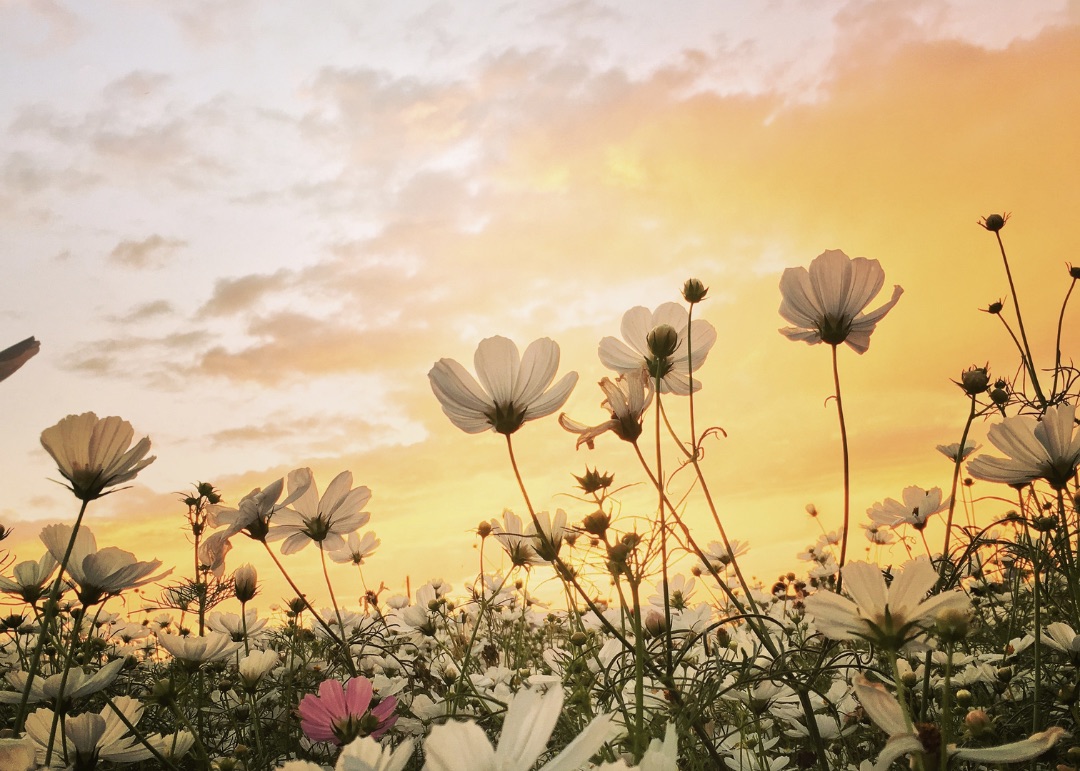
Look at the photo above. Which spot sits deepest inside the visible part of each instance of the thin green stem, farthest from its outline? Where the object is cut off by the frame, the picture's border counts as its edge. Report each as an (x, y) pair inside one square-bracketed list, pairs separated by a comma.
[(847, 471), (958, 462), (1028, 361)]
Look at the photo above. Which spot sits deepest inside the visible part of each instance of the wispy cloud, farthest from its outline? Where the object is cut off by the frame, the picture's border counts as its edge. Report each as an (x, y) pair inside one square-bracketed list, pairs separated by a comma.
[(151, 252)]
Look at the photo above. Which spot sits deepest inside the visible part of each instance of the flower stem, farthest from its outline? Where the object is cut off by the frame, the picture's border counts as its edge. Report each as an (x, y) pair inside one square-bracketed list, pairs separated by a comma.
[(847, 471), (1026, 353), (952, 494)]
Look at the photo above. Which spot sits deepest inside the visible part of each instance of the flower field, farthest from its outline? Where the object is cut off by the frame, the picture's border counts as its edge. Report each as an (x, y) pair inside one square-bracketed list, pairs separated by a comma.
[(962, 653)]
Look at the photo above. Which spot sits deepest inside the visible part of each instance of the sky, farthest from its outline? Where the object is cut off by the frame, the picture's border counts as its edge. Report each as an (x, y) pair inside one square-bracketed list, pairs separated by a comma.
[(250, 229)]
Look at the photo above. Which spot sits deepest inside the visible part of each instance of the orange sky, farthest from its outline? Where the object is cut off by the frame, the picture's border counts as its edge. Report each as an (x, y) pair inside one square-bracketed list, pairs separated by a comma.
[(262, 285)]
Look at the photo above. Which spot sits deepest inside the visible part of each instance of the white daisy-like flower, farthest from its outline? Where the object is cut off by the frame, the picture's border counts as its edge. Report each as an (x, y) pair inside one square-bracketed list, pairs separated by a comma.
[(28, 578), (356, 550), (326, 520), (530, 719), (917, 506), (94, 454), (214, 646), (98, 573), (951, 451), (363, 754), (1046, 448), (886, 712), (656, 340), (626, 398), (891, 616), (513, 389), (826, 303)]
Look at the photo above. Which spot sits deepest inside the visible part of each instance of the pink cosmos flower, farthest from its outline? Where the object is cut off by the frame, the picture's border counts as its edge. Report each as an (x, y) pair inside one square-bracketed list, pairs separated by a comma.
[(340, 714)]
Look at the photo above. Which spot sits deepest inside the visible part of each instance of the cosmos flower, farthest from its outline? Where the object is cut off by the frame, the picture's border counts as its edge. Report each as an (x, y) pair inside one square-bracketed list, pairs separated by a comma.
[(326, 520), (917, 507), (656, 340), (363, 754), (78, 685), (826, 302), (18, 754), (1045, 448), (530, 719), (245, 582), (890, 616), (519, 540), (356, 549), (626, 398), (950, 451), (214, 646), (886, 712), (255, 666), (1060, 636), (513, 389), (252, 515), (340, 714), (14, 356), (98, 573), (29, 578), (91, 737), (94, 455)]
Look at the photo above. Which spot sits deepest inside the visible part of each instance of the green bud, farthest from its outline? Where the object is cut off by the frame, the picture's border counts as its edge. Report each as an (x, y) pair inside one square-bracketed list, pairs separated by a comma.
[(694, 291)]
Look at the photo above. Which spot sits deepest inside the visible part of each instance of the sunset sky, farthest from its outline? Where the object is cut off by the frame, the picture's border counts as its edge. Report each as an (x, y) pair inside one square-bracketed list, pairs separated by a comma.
[(251, 228)]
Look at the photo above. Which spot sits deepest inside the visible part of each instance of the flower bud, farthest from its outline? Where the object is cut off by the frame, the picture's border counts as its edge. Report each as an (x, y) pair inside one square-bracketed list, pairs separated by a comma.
[(578, 639), (994, 222), (597, 523), (999, 396), (694, 291), (963, 697), (1074, 271), (483, 529), (663, 341), (952, 625), (975, 381), (593, 481), (995, 307), (245, 580), (655, 623), (977, 722)]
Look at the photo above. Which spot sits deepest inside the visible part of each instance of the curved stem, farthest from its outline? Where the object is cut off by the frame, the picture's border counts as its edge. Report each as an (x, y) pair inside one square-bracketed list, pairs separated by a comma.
[(952, 494), (1057, 342)]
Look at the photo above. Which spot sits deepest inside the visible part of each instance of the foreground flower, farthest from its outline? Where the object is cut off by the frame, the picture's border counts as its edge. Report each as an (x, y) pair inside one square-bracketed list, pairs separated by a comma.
[(890, 616), (103, 736), (18, 754), (98, 573), (826, 302), (94, 455), (340, 714), (13, 357), (886, 712), (1037, 449), (323, 520), (29, 578), (363, 754), (512, 389), (626, 399), (530, 719), (78, 684), (656, 340)]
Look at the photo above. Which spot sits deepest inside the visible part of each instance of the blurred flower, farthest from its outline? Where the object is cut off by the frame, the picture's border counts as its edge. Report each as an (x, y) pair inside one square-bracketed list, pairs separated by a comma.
[(626, 399), (656, 340), (322, 520), (356, 549), (340, 714), (13, 357), (890, 616), (18, 754), (826, 302), (94, 454), (78, 684), (951, 451), (98, 574), (1061, 637), (91, 737), (917, 507), (363, 754), (256, 665), (530, 719), (513, 389), (1037, 448), (234, 626), (245, 582), (886, 712)]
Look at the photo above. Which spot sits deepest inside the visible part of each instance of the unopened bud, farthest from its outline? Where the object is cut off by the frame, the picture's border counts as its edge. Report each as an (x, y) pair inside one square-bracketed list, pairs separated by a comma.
[(994, 222), (975, 381), (977, 722), (694, 291), (483, 529), (663, 341), (952, 625)]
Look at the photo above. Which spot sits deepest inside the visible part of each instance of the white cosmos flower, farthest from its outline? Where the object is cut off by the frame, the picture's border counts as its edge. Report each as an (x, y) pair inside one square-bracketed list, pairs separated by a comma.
[(626, 398), (826, 302), (891, 616), (356, 549), (512, 389), (1045, 448), (199, 650), (323, 520), (363, 754), (94, 454), (530, 719), (917, 507), (98, 574), (950, 451), (78, 684), (656, 340), (257, 665), (886, 712), (29, 578)]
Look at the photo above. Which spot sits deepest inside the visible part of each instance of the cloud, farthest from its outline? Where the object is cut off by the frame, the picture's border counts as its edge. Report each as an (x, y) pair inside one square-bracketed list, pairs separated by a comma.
[(146, 311), (151, 252)]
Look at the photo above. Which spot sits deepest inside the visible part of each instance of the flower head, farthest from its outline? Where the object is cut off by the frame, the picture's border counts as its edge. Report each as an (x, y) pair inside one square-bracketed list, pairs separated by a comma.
[(917, 507), (356, 549), (322, 520), (340, 714), (530, 719), (656, 340), (1043, 448), (95, 454), (890, 616), (826, 302), (513, 389), (98, 573), (626, 398)]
